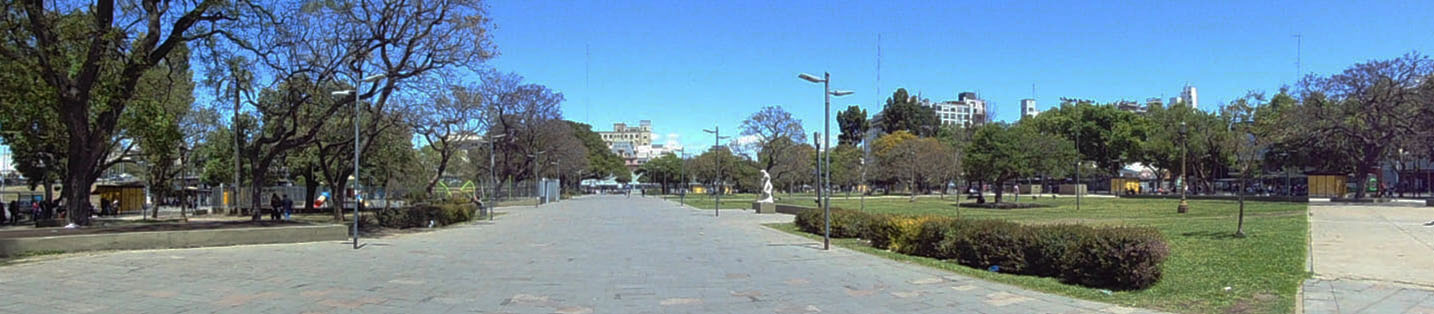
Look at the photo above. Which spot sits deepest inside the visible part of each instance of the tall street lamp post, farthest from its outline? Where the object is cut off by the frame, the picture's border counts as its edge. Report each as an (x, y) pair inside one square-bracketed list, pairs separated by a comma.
[(1184, 180), (682, 155), (357, 145), (717, 140), (1077, 186), (559, 164), (493, 173), (827, 94), (542, 189), (817, 143)]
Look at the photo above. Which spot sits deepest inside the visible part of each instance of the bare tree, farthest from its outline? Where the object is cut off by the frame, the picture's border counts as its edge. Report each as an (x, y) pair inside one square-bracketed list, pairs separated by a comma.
[(451, 121), (777, 133), (1368, 105)]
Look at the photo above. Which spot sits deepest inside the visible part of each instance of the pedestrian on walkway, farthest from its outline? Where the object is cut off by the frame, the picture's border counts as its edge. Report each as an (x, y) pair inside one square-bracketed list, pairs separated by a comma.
[(288, 206), (274, 205)]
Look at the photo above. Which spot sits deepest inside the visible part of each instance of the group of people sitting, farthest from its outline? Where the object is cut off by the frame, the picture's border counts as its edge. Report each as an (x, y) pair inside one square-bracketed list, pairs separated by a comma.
[(41, 210)]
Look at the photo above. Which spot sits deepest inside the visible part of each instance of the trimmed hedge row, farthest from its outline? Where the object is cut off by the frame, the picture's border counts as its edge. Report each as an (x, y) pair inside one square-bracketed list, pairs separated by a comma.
[(1118, 258), (420, 215)]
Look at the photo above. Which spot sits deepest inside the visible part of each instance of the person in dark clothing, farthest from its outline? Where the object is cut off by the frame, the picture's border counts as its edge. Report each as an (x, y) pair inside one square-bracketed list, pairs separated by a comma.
[(274, 204)]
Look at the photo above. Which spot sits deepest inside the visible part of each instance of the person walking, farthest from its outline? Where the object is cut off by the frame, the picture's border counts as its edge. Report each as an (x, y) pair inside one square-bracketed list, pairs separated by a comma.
[(288, 205), (274, 204)]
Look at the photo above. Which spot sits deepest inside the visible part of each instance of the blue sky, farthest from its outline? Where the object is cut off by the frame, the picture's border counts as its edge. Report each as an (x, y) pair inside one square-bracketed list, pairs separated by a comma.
[(689, 65)]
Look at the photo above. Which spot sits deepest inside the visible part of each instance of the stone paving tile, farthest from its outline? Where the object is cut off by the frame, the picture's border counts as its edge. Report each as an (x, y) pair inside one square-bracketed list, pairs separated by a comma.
[(593, 255), (1361, 296)]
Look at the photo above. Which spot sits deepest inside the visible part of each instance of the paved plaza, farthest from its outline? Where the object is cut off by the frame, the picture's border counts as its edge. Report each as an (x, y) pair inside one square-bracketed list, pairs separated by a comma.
[(1370, 259), (605, 254)]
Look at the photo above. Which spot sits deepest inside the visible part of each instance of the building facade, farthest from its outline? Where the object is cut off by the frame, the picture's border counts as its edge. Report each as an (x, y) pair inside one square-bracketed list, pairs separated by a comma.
[(1189, 97), (641, 135), (966, 111), (633, 144), (1028, 108)]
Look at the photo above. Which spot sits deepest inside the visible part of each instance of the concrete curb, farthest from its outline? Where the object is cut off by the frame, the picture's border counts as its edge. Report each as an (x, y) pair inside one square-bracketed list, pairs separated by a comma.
[(173, 239)]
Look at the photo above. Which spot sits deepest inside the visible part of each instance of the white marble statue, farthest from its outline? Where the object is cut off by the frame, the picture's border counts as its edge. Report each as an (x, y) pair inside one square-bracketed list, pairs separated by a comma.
[(766, 188)]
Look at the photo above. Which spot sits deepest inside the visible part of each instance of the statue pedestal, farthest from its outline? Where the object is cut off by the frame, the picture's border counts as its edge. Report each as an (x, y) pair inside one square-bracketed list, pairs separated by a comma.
[(764, 208)]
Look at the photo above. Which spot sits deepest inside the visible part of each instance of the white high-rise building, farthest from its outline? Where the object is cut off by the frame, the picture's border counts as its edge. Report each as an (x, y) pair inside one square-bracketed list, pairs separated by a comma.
[(1028, 108), (966, 111), (1189, 97)]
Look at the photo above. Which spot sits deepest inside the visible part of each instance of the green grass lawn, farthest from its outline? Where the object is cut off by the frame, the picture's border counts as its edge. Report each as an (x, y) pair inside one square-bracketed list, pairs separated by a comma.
[(1263, 270), (704, 201)]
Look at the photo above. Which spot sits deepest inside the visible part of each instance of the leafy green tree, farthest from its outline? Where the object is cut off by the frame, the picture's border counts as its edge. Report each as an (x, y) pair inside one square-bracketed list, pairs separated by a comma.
[(846, 167), (623, 177), (602, 163), (154, 119), (853, 124), (1252, 124), (904, 112), (661, 171), (1001, 152), (1109, 137), (897, 161), (94, 59), (705, 167)]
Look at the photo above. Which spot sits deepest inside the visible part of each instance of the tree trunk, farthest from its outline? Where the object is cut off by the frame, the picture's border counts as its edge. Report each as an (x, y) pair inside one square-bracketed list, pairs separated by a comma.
[(911, 187), (341, 195), (311, 187), (1240, 224), (442, 165), (1370, 158), (999, 190), (158, 196), (81, 162)]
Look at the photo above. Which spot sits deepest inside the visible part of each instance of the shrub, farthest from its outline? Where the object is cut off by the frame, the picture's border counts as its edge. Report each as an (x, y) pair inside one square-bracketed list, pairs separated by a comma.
[(445, 213), (809, 220), (921, 236), (1123, 258), (844, 223), (985, 243), (1046, 247), (881, 230)]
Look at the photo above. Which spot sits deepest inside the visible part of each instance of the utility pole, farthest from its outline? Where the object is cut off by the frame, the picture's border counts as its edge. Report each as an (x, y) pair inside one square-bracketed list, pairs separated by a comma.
[(493, 173), (234, 199), (682, 155)]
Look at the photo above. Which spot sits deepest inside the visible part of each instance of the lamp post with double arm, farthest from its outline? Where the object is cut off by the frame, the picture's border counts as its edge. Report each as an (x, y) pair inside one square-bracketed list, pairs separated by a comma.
[(717, 137), (826, 179)]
